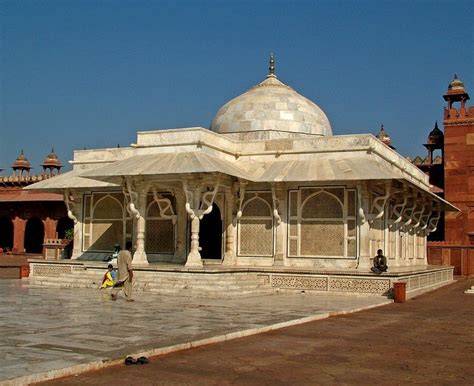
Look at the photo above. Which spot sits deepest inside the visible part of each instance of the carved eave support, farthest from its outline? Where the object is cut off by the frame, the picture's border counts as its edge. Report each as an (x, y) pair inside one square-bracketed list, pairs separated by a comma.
[(131, 196), (398, 209), (164, 206), (417, 215), (240, 199), (408, 212), (378, 203), (276, 205), (361, 197), (70, 205), (433, 222), (426, 216)]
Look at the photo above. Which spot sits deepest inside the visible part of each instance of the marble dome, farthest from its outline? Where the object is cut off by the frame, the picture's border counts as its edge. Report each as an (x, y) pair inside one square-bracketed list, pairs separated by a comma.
[(271, 105)]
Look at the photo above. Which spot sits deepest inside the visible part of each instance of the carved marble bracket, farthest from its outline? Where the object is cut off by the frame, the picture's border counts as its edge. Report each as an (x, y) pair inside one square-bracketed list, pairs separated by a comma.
[(362, 196), (417, 214), (131, 196), (426, 216), (199, 204), (240, 199), (433, 222), (378, 203), (70, 205), (164, 205), (398, 209), (408, 212), (276, 205)]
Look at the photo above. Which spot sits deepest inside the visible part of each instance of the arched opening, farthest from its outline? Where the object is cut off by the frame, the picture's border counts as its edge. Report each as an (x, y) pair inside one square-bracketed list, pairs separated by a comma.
[(210, 235), (34, 235), (64, 224), (6, 233)]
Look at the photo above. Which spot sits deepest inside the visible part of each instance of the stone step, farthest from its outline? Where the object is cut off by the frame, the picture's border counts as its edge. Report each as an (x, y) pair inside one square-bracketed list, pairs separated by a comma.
[(72, 280)]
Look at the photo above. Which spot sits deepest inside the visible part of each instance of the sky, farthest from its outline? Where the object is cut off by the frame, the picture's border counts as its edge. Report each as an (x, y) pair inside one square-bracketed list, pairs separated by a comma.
[(84, 73)]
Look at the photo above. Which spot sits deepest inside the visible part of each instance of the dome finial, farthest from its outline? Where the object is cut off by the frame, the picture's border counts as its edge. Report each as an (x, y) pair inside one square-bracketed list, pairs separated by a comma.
[(271, 66), (436, 125), (455, 76)]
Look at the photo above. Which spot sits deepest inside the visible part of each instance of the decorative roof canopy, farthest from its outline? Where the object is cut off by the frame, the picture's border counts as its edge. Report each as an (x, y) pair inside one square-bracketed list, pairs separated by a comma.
[(456, 91), (384, 137), (436, 136), (271, 105), (51, 160), (456, 84), (21, 162)]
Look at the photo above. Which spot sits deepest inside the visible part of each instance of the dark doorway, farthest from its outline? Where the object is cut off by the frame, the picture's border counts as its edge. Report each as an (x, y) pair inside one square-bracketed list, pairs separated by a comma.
[(210, 235), (63, 225), (34, 235), (6, 233)]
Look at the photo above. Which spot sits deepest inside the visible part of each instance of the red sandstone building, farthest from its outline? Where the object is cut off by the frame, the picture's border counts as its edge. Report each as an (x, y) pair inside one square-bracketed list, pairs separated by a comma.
[(452, 176), (28, 218)]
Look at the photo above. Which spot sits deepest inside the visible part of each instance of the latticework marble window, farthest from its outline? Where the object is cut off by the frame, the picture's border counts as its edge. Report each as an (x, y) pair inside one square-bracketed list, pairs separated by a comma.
[(322, 222), (255, 228), (105, 221), (160, 233)]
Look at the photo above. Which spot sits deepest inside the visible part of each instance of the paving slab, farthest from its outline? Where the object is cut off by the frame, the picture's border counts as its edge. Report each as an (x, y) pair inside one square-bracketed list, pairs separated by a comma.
[(46, 333), (427, 341)]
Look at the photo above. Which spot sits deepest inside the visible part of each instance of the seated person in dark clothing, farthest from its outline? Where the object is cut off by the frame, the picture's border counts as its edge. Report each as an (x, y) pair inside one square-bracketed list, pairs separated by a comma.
[(380, 263)]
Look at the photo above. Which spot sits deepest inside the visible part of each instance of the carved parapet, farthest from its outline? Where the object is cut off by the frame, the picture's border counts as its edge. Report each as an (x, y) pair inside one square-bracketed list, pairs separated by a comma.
[(459, 116)]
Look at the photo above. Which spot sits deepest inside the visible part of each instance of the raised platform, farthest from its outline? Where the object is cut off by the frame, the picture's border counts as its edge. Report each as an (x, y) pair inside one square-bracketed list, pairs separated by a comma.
[(221, 281), (15, 265)]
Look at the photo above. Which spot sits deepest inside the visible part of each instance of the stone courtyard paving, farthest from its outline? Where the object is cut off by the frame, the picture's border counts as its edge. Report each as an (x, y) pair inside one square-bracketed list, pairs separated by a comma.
[(427, 341), (43, 330)]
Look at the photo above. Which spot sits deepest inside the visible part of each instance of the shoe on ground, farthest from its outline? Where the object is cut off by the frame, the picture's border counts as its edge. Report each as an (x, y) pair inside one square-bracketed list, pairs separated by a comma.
[(142, 361)]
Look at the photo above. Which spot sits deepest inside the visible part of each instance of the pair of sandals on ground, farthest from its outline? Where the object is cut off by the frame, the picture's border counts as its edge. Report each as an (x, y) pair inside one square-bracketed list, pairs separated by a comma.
[(138, 361)]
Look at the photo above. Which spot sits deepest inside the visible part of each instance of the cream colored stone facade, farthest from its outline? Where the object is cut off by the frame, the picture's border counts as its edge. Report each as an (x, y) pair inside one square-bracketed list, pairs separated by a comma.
[(267, 186)]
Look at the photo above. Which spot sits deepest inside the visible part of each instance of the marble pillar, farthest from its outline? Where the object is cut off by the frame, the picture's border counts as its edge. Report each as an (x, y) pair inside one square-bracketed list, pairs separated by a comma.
[(364, 262), (230, 228), (182, 216), (281, 228), (139, 257)]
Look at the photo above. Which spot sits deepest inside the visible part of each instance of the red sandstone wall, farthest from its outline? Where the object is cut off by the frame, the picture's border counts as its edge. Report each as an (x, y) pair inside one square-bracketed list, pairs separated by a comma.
[(462, 258), (459, 175)]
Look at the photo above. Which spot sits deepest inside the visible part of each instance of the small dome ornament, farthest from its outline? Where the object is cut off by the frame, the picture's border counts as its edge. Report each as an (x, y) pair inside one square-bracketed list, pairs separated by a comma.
[(51, 163), (21, 164), (456, 84), (271, 66), (435, 136), (383, 136)]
